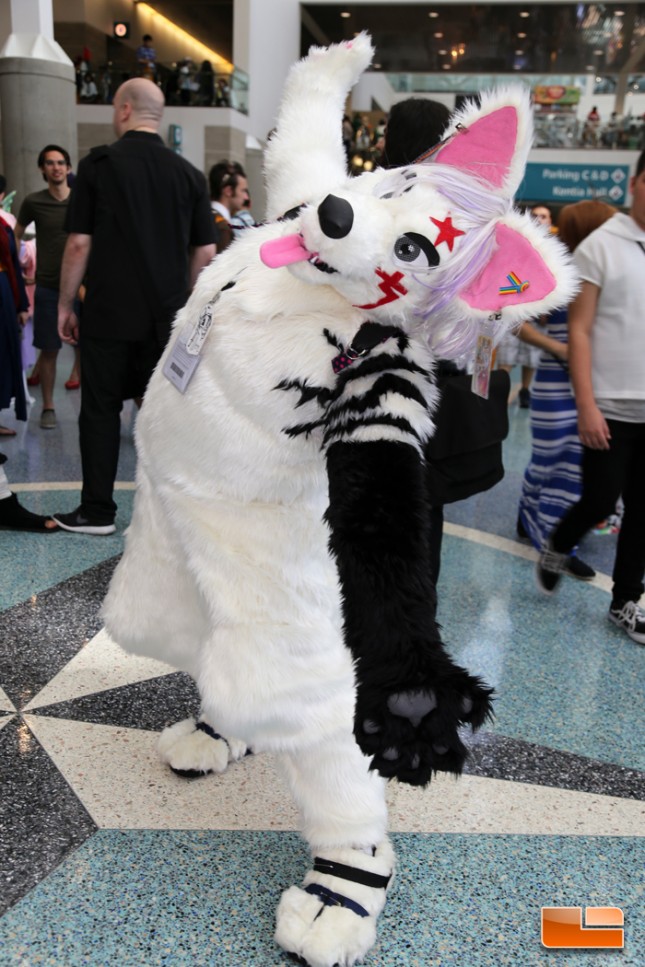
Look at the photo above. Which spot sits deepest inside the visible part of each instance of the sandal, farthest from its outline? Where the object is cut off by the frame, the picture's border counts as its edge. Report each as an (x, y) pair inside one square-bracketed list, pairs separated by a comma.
[(73, 383), (13, 516), (5, 431)]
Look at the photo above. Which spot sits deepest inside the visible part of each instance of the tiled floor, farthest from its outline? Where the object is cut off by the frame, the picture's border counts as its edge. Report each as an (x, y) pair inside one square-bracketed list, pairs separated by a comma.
[(107, 858)]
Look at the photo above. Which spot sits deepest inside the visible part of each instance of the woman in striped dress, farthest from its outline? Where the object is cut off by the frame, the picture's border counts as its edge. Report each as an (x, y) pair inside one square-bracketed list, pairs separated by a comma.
[(552, 480)]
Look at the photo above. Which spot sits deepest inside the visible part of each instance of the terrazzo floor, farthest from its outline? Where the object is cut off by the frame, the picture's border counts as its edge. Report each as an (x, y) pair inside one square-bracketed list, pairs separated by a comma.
[(107, 858)]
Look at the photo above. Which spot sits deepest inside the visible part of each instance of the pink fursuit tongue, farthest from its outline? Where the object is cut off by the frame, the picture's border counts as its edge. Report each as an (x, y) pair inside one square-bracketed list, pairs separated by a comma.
[(284, 251)]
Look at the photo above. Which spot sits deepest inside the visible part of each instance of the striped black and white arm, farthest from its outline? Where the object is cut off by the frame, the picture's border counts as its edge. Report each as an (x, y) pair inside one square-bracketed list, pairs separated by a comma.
[(411, 697)]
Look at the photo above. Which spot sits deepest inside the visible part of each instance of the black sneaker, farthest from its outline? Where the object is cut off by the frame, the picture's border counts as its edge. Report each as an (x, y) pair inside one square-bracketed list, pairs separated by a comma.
[(521, 530), (78, 523), (628, 616), (579, 569), (549, 568), (524, 398)]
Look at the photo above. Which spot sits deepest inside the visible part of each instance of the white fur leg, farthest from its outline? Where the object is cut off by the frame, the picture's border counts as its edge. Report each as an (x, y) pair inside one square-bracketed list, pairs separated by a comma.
[(328, 935), (188, 749)]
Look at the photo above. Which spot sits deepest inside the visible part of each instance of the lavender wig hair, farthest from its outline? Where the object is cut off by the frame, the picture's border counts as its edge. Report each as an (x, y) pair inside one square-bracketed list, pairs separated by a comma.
[(450, 332)]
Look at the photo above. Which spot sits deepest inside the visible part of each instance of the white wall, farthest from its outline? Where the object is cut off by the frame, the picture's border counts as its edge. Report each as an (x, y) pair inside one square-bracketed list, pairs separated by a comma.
[(266, 42)]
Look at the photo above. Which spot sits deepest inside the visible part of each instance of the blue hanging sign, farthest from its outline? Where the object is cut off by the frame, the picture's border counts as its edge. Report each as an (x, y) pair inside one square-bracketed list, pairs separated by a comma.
[(564, 183)]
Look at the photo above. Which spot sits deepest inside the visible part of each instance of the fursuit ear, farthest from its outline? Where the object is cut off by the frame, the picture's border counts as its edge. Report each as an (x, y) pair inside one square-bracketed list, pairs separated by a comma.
[(528, 274), (491, 142)]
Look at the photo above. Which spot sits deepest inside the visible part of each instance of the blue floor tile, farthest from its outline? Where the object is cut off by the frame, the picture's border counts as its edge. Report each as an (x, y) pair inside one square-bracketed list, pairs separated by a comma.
[(208, 898)]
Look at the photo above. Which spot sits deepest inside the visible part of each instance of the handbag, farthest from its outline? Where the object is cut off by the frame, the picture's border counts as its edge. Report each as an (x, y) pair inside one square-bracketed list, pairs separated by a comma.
[(464, 457)]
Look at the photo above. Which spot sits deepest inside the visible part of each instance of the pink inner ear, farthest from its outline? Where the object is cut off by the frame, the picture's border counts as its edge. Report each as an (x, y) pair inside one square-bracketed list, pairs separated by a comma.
[(517, 258), (485, 148)]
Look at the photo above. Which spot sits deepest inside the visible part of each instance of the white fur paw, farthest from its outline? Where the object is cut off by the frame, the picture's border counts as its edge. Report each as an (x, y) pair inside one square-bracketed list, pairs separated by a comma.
[(191, 750), (332, 919), (345, 62), (237, 750)]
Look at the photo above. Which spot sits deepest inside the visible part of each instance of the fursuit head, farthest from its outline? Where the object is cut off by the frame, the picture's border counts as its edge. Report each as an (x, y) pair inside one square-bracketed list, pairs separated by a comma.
[(278, 548)]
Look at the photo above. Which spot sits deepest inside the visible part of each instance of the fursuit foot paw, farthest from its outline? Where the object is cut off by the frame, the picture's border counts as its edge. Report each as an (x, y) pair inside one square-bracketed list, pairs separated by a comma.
[(193, 749), (413, 732), (331, 920)]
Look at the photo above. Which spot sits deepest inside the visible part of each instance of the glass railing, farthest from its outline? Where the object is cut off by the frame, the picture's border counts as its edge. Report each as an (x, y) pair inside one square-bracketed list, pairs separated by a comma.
[(183, 85)]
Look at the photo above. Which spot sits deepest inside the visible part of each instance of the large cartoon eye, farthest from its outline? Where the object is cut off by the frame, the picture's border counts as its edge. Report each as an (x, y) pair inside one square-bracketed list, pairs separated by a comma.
[(415, 251)]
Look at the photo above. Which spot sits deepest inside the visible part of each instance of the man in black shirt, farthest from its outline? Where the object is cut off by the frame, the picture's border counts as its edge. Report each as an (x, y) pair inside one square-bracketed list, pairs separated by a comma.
[(141, 230)]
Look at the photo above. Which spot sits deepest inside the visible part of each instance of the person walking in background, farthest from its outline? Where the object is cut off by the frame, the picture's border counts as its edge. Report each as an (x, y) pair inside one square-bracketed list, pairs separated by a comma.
[(147, 58), (542, 214), (229, 191), (47, 210), (552, 479), (141, 229), (607, 363), (13, 309), (206, 80)]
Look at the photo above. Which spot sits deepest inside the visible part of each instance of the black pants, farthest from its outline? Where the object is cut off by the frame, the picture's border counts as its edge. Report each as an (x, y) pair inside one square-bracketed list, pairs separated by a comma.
[(112, 371), (606, 474)]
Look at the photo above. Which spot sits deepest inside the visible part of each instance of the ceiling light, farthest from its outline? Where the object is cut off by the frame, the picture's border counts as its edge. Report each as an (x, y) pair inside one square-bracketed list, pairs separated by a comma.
[(439, 35), (345, 13), (433, 13), (442, 53), (446, 67), (521, 36), (619, 13), (519, 53), (524, 13)]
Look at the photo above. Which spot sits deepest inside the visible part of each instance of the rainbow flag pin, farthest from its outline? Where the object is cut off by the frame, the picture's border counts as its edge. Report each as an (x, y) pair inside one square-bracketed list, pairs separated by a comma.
[(515, 285)]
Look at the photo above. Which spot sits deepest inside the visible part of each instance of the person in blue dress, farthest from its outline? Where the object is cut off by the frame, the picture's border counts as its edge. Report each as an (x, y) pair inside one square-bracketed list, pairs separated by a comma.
[(552, 479)]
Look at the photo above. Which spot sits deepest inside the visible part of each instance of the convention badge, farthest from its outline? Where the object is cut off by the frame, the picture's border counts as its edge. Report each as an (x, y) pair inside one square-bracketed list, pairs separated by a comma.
[(197, 337), (180, 365), (480, 382), (185, 356)]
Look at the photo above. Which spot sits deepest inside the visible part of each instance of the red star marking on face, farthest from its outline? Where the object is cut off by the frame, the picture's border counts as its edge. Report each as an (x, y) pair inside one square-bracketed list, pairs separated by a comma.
[(447, 232), (391, 286)]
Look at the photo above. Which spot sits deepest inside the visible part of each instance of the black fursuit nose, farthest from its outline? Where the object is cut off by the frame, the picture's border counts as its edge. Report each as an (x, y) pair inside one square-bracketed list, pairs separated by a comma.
[(336, 217)]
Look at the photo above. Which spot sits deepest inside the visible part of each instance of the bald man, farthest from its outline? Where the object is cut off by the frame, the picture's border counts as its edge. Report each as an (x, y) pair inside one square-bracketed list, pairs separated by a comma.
[(140, 231)]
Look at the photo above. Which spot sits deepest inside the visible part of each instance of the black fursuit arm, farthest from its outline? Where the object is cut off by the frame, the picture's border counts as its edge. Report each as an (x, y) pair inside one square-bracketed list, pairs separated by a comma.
[(411, 697)]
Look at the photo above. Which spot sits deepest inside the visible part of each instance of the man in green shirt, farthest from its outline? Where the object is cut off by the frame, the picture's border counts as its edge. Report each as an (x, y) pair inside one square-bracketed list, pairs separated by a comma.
[(47, 209)]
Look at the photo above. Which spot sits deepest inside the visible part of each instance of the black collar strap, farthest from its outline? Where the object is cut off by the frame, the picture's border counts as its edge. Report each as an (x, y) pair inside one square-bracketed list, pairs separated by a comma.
[(370, 334), (353, 873)]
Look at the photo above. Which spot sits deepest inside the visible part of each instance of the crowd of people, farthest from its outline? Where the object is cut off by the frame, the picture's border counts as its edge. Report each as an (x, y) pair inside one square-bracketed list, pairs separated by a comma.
[(184, 83), (582, 369)]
